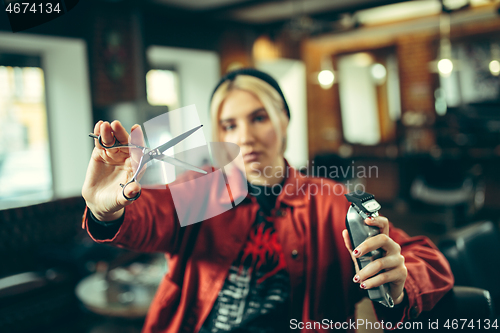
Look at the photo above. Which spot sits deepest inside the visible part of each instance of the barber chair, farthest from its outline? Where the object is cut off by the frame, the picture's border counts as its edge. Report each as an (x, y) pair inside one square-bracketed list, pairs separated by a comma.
[(472, 306), (449, 186), (471, 252)]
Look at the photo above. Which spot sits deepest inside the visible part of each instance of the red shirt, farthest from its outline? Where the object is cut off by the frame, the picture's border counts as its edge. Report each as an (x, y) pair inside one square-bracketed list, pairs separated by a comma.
[(309, 227)]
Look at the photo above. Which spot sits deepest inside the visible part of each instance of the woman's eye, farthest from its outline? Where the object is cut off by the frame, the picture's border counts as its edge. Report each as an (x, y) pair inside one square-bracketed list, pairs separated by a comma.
[(259, 118), (228, 127)]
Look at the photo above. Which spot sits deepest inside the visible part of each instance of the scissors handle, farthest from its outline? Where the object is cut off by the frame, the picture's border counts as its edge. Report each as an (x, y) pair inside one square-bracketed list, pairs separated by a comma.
[(116, 144), (123, 191)]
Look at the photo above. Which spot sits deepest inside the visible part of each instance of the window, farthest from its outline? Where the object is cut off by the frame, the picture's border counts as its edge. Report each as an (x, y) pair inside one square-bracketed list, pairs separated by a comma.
[(25, 168), (163, 88)]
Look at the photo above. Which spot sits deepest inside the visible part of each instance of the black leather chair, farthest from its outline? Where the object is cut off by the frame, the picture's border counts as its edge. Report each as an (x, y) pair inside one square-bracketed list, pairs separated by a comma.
[(460, 305), (471, 252), (448, 186)]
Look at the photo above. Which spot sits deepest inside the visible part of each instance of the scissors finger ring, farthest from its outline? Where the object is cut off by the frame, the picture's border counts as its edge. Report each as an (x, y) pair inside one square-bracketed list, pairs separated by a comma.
[(123, 192)]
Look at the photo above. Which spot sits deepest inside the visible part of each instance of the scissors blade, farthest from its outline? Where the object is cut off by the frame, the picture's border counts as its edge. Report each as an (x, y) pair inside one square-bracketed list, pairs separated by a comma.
[(177, 162), (177, 139)]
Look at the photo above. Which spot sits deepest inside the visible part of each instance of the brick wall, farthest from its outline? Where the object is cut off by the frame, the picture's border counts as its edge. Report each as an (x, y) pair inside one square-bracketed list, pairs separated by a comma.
[(414, 48), (417, 83), (112, 64), (235, 47)]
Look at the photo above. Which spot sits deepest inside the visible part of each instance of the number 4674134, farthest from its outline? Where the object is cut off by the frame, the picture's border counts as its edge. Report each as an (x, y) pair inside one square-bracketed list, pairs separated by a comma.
[(27, 7), (466, 323)]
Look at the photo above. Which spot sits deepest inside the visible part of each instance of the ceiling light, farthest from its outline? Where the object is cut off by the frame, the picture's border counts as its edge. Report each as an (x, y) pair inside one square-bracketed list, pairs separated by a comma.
[(445, 67), (326, 75), (495, 56), (326, 78), (444, 64), (495, 67), (363, 59), (378, 72)]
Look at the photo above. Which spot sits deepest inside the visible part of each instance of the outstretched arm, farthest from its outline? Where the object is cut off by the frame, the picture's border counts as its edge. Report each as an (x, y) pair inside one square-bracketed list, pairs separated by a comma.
[(149, 222)]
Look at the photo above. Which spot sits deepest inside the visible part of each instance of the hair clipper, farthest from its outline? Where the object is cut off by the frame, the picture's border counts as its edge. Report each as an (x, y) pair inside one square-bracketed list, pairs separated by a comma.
[(364, 205)]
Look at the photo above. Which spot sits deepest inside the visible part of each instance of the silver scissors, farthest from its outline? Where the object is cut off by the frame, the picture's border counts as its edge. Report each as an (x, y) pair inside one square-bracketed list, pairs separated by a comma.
[(149, 155)]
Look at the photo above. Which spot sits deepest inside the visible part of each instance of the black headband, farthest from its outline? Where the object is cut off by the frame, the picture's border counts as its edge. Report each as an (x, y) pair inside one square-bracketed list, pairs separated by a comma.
[(258, 74)]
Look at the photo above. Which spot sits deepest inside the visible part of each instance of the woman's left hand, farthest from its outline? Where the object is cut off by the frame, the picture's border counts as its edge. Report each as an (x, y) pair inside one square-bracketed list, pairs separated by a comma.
[(392, 262)]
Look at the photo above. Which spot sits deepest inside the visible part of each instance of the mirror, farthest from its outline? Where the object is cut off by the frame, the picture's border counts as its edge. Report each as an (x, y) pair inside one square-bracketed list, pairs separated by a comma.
[(370, 104)]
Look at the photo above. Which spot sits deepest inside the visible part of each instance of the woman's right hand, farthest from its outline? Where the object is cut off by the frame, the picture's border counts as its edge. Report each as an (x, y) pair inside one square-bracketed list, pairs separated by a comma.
[(108, 168)]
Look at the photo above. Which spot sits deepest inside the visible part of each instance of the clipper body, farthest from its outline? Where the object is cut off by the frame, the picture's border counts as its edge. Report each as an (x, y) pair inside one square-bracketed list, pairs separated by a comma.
[(363, 205)]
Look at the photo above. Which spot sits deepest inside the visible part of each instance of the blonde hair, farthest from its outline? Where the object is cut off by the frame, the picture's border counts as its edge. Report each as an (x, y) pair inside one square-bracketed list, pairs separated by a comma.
[(267, 95)]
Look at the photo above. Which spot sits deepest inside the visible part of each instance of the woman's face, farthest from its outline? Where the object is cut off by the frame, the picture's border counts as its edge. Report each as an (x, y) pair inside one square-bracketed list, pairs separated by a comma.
[(244, 121)]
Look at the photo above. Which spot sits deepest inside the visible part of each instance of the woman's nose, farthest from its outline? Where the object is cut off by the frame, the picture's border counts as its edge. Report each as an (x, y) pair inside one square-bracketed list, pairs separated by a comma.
[(246, 135)]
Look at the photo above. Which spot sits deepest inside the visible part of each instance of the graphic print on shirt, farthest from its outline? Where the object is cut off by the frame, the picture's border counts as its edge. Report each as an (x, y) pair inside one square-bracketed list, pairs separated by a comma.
[(257, 285), (263, 251)]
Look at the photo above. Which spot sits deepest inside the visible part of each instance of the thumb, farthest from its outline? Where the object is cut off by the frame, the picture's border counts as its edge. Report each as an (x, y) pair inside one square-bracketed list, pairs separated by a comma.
[(347, 240), (348, 245)]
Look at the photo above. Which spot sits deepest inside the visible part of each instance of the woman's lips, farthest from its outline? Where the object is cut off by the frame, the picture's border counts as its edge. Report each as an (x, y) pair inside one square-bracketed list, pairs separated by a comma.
[(251, 157)]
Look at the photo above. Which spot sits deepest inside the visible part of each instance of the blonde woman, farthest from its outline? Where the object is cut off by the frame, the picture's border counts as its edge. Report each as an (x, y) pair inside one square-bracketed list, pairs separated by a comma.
[(281, 259)]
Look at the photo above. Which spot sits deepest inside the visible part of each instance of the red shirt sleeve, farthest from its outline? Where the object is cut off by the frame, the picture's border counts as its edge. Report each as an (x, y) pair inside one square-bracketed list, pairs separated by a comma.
[(150, 224)]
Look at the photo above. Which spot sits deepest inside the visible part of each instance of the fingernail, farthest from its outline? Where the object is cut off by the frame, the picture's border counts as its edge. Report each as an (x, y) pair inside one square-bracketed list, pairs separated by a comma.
[(363, 285), (355, 252), (356, 278)]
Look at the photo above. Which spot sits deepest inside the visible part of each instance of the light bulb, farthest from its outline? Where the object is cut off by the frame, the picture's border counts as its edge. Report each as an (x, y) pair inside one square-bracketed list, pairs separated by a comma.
[(378, 72), (495, 67), (325, 78), (445, 67)]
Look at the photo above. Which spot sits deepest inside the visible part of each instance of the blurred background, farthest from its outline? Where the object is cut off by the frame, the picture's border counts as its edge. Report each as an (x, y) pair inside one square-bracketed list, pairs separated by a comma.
[(399, 97)]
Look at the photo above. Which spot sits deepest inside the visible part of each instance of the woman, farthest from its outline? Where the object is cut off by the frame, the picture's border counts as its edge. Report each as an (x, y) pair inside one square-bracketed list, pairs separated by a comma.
[(276, 261)]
